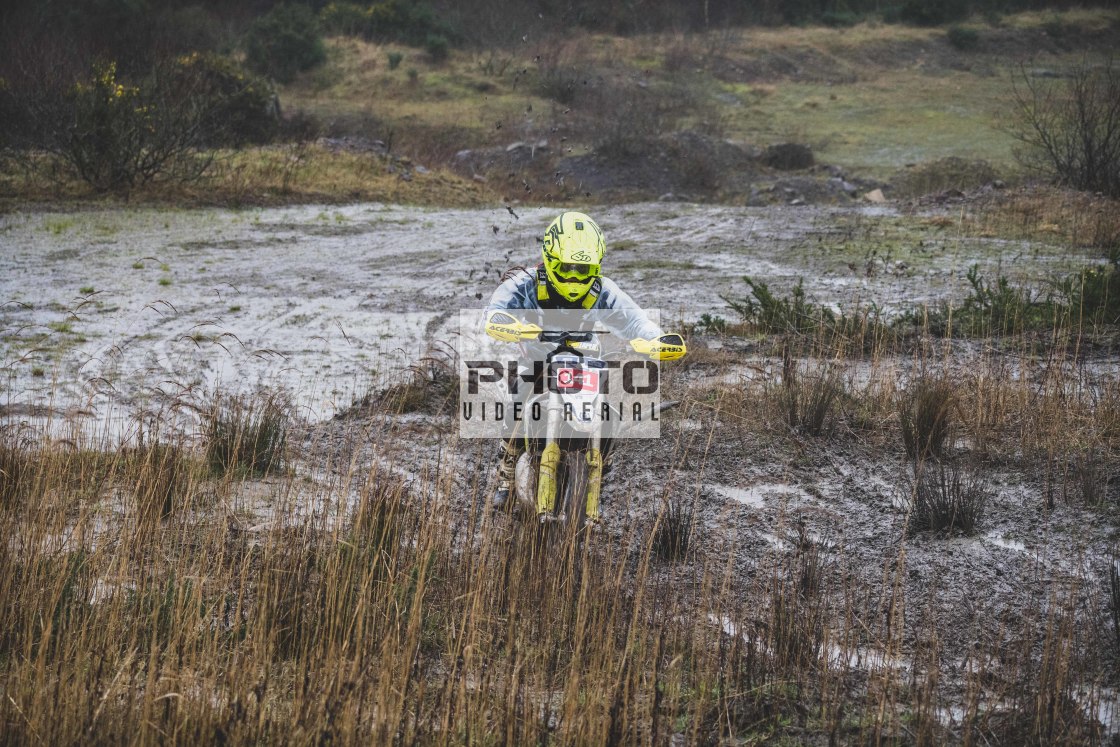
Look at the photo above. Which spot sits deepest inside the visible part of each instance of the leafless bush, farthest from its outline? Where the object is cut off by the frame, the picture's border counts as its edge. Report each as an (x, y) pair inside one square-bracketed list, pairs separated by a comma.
[(118, 132), (630, 118), (1070, 128)]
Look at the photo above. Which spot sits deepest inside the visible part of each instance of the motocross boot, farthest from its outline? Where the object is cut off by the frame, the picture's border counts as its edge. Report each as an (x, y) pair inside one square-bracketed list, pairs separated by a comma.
[(506, 465)]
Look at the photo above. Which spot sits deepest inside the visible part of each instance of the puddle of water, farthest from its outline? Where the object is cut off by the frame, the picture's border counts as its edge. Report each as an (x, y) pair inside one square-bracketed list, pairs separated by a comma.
[(755, 495), (999, 540)]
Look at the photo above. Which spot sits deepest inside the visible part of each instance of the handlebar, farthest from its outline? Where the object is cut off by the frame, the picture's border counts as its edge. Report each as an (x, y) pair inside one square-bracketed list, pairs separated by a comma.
[(506, 328)]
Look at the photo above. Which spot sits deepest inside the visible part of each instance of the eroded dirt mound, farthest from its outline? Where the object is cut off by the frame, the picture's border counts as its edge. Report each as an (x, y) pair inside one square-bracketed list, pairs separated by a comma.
[(685, 166)]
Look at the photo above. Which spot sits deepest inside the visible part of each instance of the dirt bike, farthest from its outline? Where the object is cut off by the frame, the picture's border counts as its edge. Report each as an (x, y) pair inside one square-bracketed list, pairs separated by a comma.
[(558, 476)]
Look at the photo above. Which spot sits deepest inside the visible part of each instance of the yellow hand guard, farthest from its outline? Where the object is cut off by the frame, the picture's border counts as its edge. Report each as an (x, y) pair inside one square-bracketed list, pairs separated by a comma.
[(501, 326), (668, 347)]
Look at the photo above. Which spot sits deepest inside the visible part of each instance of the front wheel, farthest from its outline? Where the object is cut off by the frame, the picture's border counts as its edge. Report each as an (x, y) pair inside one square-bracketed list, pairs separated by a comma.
[(571, 485)]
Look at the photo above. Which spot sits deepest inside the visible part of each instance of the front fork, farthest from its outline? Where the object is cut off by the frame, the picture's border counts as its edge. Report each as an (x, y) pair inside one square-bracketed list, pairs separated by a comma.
[(594, 479), (550, 467), (550, 460)]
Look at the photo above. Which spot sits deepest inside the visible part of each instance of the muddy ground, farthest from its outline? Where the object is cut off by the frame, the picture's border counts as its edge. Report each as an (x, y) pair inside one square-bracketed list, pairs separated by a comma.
[(106, 314)]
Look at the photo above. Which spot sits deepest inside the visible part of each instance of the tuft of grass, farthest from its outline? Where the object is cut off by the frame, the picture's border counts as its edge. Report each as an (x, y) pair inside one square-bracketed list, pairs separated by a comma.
[(247, 434), (946, 498), (161, 478), (673, 531), (925, 415), (808, 399), (1114, 601), (15, 472), (430, 385), (165, 281), (86, 290)]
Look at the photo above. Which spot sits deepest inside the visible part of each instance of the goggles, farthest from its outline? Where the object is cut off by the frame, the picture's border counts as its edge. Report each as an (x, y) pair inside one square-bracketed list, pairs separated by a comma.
[(576, 271)]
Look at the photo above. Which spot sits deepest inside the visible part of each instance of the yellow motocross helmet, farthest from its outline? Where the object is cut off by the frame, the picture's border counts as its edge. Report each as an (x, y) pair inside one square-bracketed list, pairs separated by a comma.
[(572, 248)]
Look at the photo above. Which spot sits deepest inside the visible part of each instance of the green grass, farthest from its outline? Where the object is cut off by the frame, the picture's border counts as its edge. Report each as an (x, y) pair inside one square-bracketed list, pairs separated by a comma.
[(877, 127)]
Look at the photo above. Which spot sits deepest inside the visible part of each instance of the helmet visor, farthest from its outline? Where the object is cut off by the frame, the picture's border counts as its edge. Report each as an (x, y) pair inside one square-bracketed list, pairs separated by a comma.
[(575, 271)]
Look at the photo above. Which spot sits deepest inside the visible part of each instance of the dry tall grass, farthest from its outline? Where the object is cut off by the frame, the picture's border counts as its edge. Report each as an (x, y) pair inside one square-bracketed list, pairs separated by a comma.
[(373, 597)]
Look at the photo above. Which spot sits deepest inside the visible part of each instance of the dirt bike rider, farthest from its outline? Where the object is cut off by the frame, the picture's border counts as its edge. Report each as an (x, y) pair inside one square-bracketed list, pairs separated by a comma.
[(569, 277)]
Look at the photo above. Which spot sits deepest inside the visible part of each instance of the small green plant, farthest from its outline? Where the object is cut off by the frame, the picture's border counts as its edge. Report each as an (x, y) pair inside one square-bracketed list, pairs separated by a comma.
[(61, 327), (1094, 294), (234, 309), (437, 46), (711, 324), (58, 227), (992, 308), (395, 58), (138, 265), (777, 314), (165, 281), (413, 76), (38, 371), (86, 290)]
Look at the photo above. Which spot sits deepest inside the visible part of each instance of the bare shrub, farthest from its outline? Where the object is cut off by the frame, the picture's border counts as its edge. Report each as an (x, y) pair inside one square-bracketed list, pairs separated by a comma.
[(947, 499), (925, 414), (563, 74), (1070, 128), (116, 133)]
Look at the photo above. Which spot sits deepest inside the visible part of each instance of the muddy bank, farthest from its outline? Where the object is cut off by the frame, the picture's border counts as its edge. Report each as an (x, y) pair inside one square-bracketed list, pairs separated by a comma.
[(98, 306)]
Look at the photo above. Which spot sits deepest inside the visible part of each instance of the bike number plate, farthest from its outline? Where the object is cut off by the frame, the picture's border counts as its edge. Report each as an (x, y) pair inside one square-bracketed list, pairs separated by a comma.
[(578, 380)]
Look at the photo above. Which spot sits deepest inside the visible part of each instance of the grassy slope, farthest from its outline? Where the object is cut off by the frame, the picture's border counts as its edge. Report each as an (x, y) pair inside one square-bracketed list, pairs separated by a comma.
[(872, 98)]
